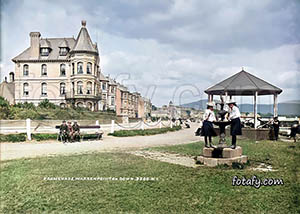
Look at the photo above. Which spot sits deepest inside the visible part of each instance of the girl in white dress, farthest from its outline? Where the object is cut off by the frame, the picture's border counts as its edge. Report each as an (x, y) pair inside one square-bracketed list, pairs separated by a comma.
[(207, 129)]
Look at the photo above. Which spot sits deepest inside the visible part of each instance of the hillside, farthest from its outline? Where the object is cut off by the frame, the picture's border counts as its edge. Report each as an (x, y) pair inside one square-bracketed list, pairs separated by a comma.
[(285, 108)]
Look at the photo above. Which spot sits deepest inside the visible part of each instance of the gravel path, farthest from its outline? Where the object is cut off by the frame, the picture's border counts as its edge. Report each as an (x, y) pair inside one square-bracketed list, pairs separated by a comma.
[(11, 151), (186, 161)]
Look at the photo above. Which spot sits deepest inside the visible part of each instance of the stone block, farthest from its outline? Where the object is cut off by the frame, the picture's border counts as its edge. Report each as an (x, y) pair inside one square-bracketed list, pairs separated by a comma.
[(200, 159), (211, 161), (232, 153), (244, 159), (207, 152)]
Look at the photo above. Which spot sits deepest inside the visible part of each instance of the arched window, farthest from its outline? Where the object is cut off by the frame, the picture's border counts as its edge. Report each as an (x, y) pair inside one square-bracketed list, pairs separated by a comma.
[(62, 70), (79, 68), (25, 70), (44, 70), (89, 68), (62, 105), (44, 89), (89, 88), (26, 89), (62, 88), (80, 104), (79, 87), (11, 77), (90, 106)]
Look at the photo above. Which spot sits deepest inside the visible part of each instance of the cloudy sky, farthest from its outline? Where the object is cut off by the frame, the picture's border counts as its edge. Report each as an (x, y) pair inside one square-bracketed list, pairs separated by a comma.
[(171, 49)]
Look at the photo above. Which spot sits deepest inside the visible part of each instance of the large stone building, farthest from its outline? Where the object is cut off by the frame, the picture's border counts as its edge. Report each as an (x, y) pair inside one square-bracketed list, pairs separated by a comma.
[(64, 70)]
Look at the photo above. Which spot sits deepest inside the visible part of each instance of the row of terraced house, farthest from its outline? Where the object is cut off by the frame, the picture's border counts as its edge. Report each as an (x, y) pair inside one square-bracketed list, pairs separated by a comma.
[(67, 72)]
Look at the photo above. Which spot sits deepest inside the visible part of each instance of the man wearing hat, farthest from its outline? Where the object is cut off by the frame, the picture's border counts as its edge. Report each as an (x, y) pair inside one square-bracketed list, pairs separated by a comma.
[(76, 131), (63, 131), (207, 128), (234, 117)]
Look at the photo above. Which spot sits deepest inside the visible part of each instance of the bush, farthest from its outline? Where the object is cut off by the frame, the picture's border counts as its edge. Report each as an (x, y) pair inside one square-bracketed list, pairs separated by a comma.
[(46, 104), (25, 105), (13, 137), (41, 137), (140, 132), (4, 103)]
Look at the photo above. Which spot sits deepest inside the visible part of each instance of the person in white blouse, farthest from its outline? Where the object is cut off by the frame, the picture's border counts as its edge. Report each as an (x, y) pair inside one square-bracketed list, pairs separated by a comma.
[(207, 129), (235, 126)]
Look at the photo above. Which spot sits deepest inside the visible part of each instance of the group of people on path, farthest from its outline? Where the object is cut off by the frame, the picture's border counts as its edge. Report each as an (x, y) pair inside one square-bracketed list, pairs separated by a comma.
[(69, 132), (209, 117)]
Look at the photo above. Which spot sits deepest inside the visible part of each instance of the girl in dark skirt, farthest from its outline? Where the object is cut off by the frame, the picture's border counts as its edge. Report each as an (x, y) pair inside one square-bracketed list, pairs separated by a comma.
[(207, 129), (234, 117)]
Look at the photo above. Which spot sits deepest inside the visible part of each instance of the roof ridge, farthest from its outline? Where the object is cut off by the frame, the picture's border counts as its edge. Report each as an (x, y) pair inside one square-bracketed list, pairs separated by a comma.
[(251, 79), (264, 81), (236, 75), (46, 38)]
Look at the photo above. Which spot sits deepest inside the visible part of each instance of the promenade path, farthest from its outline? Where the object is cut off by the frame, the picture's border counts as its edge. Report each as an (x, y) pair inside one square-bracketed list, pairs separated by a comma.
[(10, 151)]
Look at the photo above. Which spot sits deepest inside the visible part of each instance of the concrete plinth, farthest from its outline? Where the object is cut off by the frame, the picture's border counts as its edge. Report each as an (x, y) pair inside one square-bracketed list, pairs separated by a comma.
[(221, 161), (221, 152), (220, 155)]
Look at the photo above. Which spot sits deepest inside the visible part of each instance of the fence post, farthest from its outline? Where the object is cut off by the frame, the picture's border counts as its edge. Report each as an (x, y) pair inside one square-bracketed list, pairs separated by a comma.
[(97, 122), (171, 124), (28, 129), (160, 123), (112, 128)]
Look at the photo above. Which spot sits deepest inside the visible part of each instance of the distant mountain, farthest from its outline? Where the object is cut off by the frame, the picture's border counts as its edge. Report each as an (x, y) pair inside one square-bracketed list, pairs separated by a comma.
[(285, 108)]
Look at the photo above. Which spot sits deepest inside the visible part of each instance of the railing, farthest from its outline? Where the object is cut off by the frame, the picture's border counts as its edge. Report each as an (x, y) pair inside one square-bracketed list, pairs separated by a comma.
[(70, 95)]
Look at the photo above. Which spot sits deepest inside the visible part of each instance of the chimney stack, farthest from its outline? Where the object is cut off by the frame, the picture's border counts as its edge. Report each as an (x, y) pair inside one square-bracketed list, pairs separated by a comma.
[(35, 45)]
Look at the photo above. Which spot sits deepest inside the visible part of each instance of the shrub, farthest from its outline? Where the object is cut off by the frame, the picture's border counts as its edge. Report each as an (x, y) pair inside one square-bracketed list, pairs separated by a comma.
[(140, 132), (4, 103), (13, 137), (41, 137), (46, 104)]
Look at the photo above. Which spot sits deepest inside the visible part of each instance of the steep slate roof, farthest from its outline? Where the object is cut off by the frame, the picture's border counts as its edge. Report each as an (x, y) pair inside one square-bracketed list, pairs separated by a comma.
[(54, 43), (64, 44), (84, 42), (243, 83), (44, 43), (103, 78)]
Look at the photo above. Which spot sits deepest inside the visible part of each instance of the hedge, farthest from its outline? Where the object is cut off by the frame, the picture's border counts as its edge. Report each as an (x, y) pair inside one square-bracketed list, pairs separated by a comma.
[(140, 132)]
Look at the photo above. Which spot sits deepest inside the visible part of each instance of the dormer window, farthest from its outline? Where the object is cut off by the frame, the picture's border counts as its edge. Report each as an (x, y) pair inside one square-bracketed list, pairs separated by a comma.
[(45, 51), (63, 51)]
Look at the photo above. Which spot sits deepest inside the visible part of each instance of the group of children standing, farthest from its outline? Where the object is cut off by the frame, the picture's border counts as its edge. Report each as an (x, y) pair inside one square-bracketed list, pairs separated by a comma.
[(209, 117)]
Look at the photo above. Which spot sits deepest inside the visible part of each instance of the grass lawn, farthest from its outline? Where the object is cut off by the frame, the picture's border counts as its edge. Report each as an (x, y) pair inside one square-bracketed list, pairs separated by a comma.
[(178, 189)]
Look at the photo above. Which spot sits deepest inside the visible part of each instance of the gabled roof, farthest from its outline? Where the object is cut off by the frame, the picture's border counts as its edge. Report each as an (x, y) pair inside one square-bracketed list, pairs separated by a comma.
[(44, 43), (54, 43), (64, 44), (84, 42), (243, 83)]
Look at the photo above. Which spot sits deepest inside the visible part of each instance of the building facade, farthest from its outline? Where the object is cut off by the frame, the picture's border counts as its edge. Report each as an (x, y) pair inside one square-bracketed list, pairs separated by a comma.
[(65, 71)]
